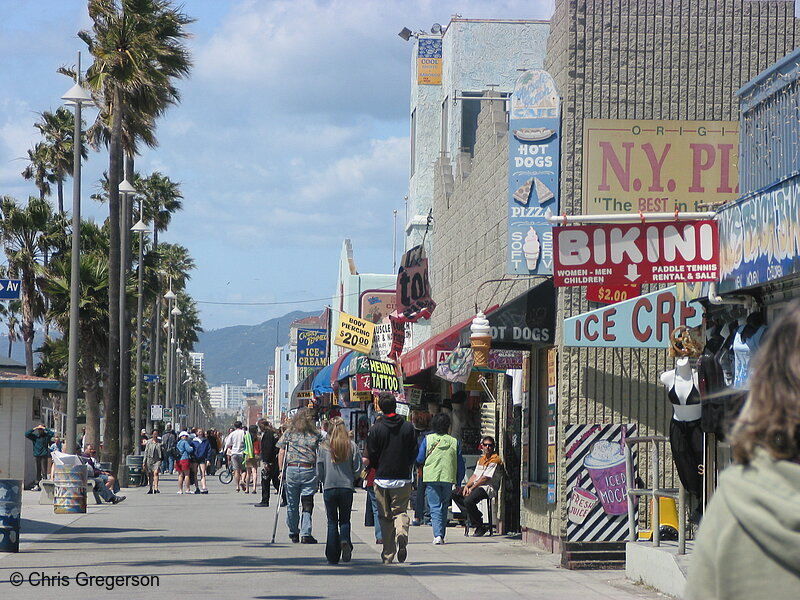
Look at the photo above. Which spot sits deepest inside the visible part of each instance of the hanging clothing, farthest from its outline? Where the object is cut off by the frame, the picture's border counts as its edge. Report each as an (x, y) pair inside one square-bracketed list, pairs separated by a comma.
[(744, 348)]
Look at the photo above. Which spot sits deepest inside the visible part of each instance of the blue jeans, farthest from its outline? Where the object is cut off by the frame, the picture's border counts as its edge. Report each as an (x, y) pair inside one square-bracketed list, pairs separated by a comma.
[(438, 495), (373, 500), (168, 464), (338, 506), (300, 482)]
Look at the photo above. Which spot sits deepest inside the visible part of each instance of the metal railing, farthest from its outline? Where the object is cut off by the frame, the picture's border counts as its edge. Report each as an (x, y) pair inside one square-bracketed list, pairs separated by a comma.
[(654, 492)]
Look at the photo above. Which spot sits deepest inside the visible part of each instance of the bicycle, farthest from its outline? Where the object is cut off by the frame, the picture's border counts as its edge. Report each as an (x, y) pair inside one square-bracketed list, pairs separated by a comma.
[(226, 474)]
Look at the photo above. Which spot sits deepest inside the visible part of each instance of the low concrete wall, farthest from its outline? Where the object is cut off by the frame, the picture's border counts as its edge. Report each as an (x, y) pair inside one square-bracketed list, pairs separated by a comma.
[(660, 568)]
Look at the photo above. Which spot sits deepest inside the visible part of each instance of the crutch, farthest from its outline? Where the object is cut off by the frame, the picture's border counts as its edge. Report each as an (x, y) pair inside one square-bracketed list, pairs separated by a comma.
[(280, 492)]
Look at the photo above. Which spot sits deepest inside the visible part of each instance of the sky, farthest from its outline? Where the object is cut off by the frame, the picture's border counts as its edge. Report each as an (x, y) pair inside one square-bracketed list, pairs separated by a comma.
[(292, 135)]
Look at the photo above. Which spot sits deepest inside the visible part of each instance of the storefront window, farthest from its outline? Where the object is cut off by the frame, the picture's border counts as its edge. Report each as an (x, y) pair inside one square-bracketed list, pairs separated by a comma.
[(537, 426)]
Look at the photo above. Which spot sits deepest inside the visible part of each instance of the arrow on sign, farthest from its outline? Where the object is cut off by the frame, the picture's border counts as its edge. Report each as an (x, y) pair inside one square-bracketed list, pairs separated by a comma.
[(633, 272)]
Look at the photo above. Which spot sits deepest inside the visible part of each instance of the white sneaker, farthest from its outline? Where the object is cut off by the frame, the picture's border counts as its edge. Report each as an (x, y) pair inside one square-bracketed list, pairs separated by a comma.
[(179, 491), (438, 540)]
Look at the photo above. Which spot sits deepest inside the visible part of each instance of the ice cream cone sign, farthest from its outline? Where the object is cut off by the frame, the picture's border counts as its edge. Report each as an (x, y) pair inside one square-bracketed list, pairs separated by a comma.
[(480, 339)]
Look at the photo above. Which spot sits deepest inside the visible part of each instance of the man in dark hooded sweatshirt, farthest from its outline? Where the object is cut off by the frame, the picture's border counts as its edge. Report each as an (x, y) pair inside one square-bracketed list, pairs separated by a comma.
[(392, 449)]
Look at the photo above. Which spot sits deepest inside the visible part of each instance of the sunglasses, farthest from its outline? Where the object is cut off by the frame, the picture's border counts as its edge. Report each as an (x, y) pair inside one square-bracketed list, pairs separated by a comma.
[(488, 445)]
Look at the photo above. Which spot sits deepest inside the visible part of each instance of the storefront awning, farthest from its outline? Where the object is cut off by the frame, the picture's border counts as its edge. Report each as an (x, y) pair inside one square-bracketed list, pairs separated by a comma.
[(529, 319), (322, 381), (425, 355), (302, 392)]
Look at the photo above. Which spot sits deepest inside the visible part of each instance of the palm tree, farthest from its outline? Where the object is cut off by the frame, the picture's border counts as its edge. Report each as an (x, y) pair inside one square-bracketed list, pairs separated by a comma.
[(58, 130), (10, 313), (40, 169), (138, 51), (23, 230), (92, 315)]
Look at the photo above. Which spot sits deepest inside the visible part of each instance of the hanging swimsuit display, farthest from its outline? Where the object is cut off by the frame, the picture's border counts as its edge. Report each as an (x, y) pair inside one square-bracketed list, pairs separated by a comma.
[(685, 433), (744, 348)]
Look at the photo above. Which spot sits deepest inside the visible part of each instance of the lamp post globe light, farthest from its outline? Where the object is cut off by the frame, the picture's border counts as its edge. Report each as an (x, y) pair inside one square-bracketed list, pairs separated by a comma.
[(141, 229), (77, 96)]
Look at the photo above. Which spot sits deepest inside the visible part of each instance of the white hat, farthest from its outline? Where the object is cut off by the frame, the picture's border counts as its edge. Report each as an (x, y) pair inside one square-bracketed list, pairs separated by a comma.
[(183, 433)]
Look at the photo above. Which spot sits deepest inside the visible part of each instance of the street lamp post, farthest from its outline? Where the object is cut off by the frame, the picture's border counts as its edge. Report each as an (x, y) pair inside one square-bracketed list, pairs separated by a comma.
[(139, 228), (171, 355), (77, 96), (126, 190)]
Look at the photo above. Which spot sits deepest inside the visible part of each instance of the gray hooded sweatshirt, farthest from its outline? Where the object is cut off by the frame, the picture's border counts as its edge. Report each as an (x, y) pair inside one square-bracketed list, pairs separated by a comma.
[(749, 541)]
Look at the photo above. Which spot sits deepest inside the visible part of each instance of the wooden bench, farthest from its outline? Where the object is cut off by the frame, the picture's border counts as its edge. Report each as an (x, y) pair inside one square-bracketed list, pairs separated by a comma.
[(46, 496)]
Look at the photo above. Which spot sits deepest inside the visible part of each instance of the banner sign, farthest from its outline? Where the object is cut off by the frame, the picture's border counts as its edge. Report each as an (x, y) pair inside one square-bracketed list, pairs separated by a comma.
[(500, 360), (312, 348), (270, 388), (354, 333), (413, 295), (760, 237), (643, 322), (376, 305), (390, 338), (634, 166), (381, 377), (597, 487), (552, 398), (658, 252), (534, 143), (429, 61)]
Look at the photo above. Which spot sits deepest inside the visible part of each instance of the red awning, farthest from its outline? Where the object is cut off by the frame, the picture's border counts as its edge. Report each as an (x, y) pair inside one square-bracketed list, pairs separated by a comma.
[(425, 355)]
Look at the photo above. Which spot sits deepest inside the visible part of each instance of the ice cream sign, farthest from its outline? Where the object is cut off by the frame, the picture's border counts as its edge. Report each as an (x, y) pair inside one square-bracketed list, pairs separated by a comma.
[(533, 173)]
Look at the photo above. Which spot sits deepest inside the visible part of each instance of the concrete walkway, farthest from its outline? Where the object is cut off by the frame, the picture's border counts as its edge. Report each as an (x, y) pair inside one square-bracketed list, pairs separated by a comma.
[(220, 543)]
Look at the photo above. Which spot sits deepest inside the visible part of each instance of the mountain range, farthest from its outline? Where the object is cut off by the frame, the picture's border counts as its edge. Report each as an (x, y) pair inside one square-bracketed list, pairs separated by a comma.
[(235, 354), (232, 354)]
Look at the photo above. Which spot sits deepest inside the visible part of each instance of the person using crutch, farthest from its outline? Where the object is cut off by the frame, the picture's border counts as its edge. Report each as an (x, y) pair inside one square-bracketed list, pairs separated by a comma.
[(298, 460)]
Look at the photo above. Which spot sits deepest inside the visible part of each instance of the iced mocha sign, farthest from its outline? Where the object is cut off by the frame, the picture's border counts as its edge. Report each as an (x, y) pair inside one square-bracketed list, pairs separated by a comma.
[(534, 131)]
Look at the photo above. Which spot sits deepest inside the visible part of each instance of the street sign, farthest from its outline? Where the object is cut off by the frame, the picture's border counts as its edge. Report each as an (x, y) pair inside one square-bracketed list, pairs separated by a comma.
[(156, 412), (179, 405), (168, 414), (150, 377), (9, 289), (658, 252)]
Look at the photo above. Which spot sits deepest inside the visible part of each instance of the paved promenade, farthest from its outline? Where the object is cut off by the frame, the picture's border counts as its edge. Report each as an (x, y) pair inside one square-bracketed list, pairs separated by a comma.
[(219, 543)]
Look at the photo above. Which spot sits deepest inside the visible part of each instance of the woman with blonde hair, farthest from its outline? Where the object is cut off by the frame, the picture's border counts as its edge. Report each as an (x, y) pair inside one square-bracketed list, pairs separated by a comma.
[(298, 461), (748, 543), (338, 465)]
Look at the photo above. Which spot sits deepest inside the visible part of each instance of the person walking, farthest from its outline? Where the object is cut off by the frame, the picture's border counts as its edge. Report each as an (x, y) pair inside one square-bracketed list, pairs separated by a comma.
[(200, 460), (152, 461), (481, 485), (297, 456), (41, 437), (169, 442), (252, 458), (442, 467), (747, 546), (392, 451), (422, 512), (182, 465), (338, 464), (269, 461), (234, 449)]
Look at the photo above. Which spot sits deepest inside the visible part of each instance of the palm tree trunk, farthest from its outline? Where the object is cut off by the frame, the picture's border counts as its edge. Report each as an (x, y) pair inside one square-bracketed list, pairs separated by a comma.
[(111, 391), (90, 391), (60, 188), (28, 295)]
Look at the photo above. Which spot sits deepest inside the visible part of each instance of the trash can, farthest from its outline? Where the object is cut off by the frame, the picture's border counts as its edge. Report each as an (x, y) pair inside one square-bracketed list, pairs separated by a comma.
[(10, 511), (134, 466), (69, 494)]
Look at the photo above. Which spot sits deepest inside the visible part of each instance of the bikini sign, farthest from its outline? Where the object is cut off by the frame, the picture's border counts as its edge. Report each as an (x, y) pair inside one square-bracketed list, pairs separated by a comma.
[(643, 322), (657, 252)]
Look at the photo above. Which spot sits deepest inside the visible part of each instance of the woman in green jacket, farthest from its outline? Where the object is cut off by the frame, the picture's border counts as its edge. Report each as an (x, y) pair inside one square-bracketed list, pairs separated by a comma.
[(749, 539), (443, 466)]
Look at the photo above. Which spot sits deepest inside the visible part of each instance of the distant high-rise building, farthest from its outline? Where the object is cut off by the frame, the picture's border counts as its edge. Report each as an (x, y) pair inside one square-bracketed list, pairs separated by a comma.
[(232, 397), (198, 360)]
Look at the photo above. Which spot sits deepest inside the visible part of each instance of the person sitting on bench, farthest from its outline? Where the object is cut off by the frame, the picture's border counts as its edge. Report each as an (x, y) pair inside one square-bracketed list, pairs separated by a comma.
[(103, 480), (481, 485)]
